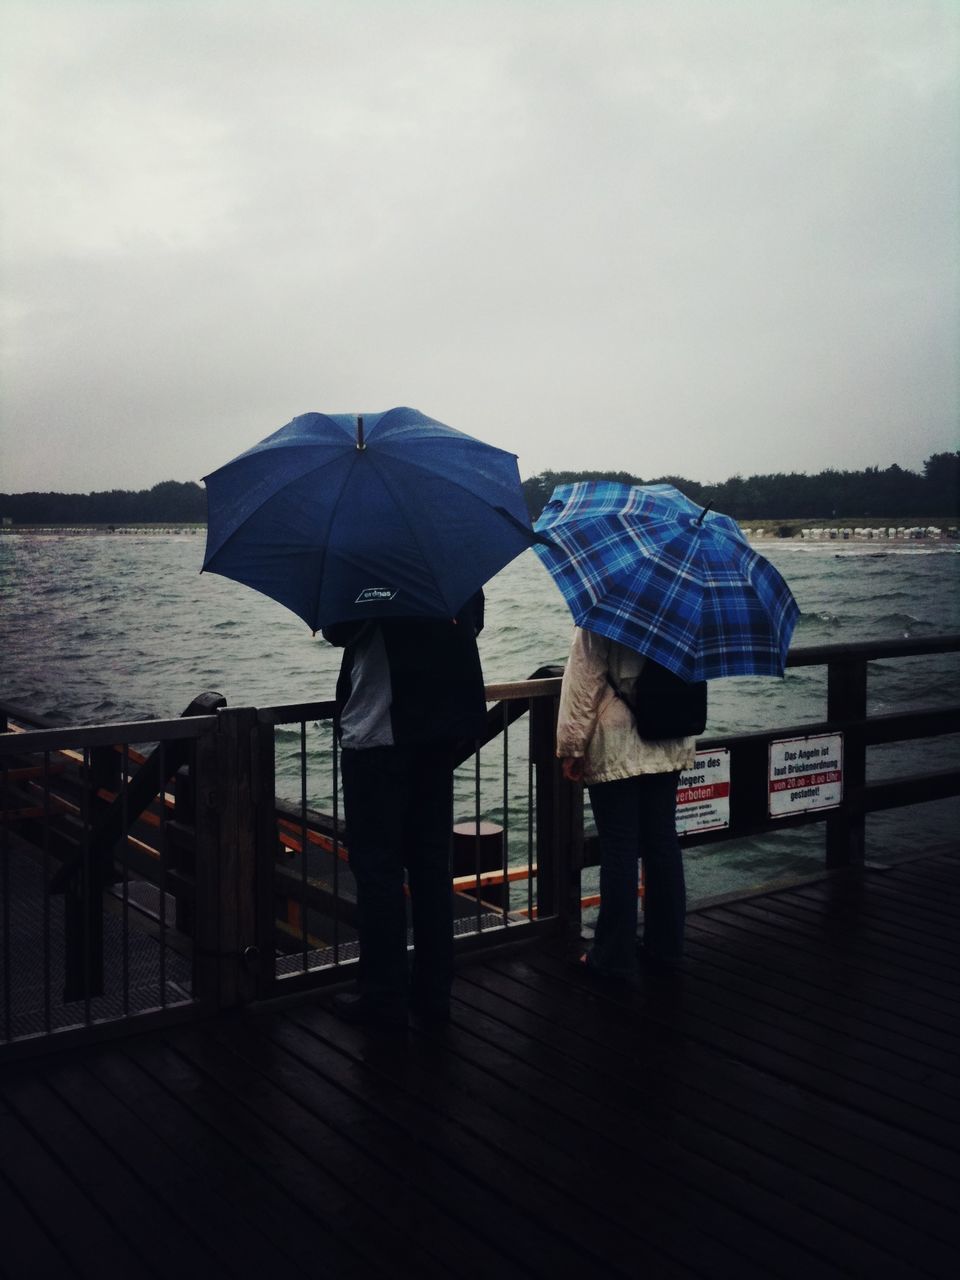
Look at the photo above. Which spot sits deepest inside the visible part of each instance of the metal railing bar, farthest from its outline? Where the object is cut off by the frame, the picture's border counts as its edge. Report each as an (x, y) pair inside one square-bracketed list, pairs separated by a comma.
[(304, 941), (505, 842), (476, 837), (530, 810), (125, 913), (47, 947), (5, 881), (162, 850), (336, 849), (86, 887)]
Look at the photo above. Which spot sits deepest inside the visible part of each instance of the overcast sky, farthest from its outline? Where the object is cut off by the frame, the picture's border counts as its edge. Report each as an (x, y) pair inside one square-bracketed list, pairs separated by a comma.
[(688, 237)]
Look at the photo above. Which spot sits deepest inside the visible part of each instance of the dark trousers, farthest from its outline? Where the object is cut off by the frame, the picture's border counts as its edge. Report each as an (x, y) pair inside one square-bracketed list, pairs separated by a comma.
[(398, 804), (636, 818)]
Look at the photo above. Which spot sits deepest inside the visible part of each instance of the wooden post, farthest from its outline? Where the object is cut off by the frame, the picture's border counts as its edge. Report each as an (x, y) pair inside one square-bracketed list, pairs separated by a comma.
[(559, 812), (226, 858), (206, 937), (571, 851), (749, 795), (545, 773), (847, 703), (83, 897), (238, 847), (263, 967), (182, 855)]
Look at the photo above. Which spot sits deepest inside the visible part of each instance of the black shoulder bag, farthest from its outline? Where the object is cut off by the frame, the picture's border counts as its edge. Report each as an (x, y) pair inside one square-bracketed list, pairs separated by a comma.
[(663, 705)]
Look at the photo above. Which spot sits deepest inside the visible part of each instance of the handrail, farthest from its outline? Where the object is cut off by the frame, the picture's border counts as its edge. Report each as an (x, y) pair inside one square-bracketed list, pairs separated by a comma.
[(533, 687), (15, 741), (506, 691), (820, 654)]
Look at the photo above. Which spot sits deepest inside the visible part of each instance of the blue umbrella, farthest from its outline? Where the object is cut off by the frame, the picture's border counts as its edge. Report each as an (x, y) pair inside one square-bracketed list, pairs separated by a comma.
[(644, 565), (390, 514)]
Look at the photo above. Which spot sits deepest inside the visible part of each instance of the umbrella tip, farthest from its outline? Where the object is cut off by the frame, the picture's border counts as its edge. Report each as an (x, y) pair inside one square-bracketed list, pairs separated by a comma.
[(360, 444), (704, 512)]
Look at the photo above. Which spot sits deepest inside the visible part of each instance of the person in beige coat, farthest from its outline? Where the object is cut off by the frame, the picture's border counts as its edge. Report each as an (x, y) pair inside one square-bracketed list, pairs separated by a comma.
[(632, 786)]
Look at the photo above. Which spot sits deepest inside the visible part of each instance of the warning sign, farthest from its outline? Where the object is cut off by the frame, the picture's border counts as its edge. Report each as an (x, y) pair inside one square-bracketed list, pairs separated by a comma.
[(703, 793), (805, 774)]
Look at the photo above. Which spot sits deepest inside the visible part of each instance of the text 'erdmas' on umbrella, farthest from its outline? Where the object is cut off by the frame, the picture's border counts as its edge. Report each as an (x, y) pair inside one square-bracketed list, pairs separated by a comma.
[(343, 516)]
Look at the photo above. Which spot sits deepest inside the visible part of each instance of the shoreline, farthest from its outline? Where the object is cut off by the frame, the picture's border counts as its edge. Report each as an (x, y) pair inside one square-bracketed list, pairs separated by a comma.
[(118, 530), (854, 529), (829, 532)]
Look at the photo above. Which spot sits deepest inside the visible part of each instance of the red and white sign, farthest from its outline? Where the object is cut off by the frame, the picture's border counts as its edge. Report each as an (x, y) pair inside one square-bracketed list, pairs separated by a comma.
[(703, 793), (805, 774)]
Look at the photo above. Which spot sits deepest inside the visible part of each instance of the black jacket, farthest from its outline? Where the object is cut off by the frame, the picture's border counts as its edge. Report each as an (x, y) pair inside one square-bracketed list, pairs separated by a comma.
[(436, 681)]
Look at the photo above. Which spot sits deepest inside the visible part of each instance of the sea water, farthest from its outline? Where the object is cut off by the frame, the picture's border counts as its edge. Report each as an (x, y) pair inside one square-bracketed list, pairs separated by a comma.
[(97, 628)]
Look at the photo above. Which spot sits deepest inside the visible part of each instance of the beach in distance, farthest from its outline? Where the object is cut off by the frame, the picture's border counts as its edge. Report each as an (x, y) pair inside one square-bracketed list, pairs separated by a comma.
[(864, 528), (96, 629)]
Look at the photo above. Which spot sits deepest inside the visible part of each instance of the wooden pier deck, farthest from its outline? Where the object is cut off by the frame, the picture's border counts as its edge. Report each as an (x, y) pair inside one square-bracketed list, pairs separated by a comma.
[(790, 1107)]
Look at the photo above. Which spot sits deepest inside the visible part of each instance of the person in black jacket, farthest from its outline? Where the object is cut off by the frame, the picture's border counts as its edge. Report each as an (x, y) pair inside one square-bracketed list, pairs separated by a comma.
[(408, 690)]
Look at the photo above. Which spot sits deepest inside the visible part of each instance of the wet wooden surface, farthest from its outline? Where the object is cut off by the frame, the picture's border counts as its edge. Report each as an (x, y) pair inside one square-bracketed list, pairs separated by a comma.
[(789, 1107)]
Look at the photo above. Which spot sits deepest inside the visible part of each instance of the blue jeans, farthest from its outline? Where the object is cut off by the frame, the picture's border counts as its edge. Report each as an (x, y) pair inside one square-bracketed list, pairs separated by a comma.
[(636, 818), (398, 804)]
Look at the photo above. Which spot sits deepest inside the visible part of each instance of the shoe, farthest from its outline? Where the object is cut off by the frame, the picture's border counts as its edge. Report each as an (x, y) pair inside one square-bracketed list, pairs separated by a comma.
[(366, 1010), (586, 965), (431, 1015), (653, 965), (430, 1011)]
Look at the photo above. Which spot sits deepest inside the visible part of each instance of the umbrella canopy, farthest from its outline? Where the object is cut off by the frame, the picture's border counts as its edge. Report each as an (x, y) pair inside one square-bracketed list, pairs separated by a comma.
[(341, 517), (644, 565)]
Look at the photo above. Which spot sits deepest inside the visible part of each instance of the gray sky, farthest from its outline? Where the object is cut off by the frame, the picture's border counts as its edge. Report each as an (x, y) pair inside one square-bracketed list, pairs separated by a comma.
[(679, 237)]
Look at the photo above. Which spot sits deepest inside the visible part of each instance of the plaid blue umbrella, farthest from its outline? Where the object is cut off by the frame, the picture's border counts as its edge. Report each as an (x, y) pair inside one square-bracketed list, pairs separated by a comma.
[(388, 515), (644, 565)]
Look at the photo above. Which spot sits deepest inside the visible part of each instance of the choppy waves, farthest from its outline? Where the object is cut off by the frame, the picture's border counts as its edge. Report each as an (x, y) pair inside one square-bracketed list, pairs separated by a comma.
[(131, 626)]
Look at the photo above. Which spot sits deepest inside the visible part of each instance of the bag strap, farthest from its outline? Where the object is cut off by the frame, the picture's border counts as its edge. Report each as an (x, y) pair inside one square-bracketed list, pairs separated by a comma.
[(618, 692)]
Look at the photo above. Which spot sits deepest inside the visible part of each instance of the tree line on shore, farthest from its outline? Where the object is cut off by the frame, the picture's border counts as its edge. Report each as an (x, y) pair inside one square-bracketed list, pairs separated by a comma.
[(170, 502), (890, 493)]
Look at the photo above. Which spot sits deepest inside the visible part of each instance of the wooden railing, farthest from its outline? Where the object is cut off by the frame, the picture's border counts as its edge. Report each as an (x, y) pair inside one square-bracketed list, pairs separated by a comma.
[(846, 714), (305, 921), (105, 888), (162, 846)]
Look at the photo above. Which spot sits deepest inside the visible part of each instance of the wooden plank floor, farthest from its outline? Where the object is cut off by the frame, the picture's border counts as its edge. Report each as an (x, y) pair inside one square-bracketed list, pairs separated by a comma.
[(789, 1107)]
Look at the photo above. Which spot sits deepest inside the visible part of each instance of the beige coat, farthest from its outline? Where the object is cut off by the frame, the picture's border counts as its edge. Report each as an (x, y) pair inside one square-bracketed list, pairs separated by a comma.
[(597, 725)]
